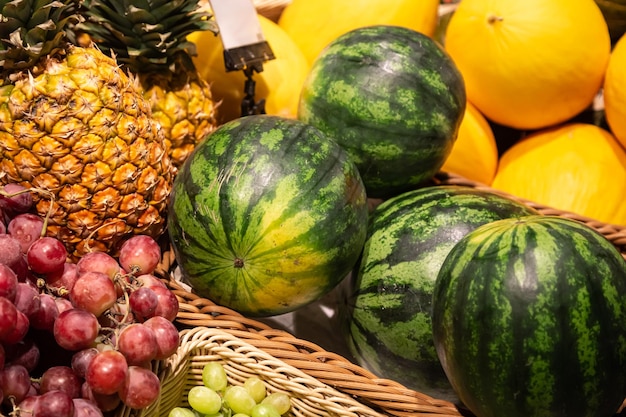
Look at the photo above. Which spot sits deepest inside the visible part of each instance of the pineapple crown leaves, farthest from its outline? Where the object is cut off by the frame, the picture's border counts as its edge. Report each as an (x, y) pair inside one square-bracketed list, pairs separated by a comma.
[(144, 35), (32, 29)]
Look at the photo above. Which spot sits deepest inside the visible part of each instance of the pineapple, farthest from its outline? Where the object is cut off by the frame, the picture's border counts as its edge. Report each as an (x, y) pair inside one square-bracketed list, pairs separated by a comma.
[(74, 126), (149, 39)]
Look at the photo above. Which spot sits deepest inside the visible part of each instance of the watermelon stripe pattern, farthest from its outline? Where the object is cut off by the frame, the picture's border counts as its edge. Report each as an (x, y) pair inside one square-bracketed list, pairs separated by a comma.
[(408, 238), (393, 98), (267, 215), (529, 319)]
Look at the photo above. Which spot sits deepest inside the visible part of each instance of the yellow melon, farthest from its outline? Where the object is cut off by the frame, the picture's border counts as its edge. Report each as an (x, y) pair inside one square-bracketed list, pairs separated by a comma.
[(615, 91), (530, 64), (576, 167), (313, 24), (279, 83), (475, 152)]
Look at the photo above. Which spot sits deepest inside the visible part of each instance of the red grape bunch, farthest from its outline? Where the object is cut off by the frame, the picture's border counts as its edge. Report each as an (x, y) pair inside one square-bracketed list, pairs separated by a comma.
[(77, 339)]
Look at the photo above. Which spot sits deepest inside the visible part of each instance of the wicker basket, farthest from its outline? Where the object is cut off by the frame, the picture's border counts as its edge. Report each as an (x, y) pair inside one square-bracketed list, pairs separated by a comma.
[(616, 234), (384, 396), (312, 374), (241, 360)]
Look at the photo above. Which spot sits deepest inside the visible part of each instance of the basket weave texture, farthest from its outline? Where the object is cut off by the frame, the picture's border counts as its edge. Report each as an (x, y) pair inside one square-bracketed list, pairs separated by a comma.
[(241, 360), (614, 233), (385, 397), (321, 382)]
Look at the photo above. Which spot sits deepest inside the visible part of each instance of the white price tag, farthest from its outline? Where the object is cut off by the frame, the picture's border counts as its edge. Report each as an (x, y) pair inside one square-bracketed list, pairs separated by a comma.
[(237, 22), (241, 34)]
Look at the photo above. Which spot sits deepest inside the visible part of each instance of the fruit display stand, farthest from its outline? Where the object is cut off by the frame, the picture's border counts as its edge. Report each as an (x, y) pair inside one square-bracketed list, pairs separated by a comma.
[(320, 382)]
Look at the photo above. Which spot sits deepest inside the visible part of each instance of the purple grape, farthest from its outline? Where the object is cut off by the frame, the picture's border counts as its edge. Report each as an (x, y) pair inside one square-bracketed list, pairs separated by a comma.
[(60, 378), (25, 353), (86, 408), (14, 382), (81, 359), (27, 299), (8, 283), (15, 198), (11, 254), (26, 228), (54, 404)]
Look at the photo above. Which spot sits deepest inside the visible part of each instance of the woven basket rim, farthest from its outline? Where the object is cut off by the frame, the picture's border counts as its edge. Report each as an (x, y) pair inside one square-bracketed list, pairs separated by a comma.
[(385, 395), (615, 233), (200, 345), (381, 394)]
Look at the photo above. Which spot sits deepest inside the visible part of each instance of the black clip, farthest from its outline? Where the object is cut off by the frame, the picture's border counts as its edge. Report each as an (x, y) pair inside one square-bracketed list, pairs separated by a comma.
[(248, 105)]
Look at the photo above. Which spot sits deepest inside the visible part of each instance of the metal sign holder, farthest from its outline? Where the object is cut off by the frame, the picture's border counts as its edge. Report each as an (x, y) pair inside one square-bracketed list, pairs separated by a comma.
[(245, 47)]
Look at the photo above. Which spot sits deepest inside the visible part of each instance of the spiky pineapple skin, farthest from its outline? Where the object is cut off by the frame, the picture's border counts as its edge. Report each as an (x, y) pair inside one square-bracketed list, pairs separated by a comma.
[(80, 128), (149, 40), (184, 107)]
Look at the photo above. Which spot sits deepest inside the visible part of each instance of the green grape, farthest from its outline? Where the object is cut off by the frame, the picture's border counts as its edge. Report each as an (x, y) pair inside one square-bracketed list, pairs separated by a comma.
[(256, 388), (181, 412), (239, 399), (264, 410), (204, 400), (214, 376), (240, 415), (280, 401)]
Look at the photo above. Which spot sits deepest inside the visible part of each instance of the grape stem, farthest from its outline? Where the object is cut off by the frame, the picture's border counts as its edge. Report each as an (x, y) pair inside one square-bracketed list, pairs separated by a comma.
[(127, 302), (58, 291), (93, 232), (16, 411), (45, 193)]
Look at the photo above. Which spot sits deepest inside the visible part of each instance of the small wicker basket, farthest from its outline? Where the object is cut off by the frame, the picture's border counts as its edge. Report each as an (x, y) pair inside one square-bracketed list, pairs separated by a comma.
[(241, 360), (384, 397)]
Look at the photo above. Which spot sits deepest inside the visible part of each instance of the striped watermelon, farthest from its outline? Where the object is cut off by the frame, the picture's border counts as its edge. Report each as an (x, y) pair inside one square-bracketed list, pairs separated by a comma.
[(393, 98), (268, 214), (529, 319), (408, 239)]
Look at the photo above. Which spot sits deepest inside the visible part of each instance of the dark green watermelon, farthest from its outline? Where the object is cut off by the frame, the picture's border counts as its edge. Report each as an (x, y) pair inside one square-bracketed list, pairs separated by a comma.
[(393, 98), (267, 214), (529, 319), (408, 239)]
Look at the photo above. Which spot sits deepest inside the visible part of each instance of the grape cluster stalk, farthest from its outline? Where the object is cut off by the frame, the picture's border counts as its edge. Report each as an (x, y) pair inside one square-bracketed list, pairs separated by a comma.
[(77, 338)]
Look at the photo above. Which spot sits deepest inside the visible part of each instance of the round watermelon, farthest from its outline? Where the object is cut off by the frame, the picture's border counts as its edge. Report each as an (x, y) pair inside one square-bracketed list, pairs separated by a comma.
[(529, 319), (267, 215), (393, 98), (409, 236)]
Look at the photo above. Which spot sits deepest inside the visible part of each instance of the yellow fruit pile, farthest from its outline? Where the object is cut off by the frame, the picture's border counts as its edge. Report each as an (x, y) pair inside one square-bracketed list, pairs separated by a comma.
[(536, 66), (313, 24), (530, 66)]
